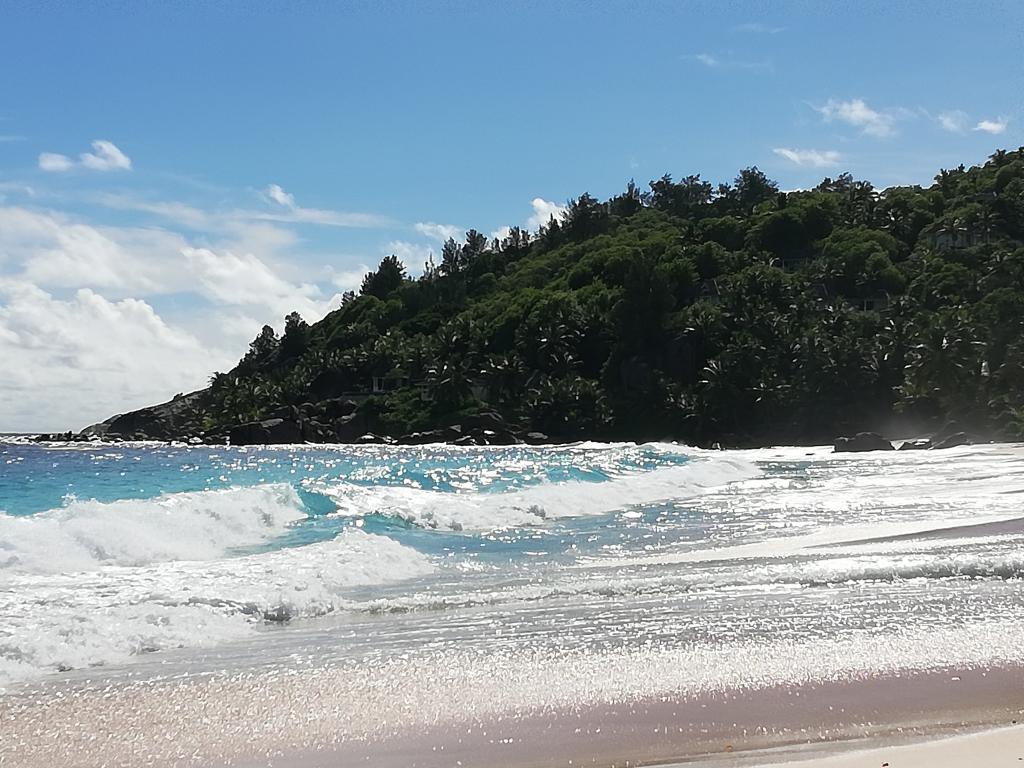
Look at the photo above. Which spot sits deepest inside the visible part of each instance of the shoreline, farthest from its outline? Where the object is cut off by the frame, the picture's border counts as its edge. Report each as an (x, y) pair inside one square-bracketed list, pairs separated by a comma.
[(259, 719)]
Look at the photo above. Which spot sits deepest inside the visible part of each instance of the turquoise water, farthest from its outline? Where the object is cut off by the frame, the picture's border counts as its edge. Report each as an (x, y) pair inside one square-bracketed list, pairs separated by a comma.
[(110, 555), (37, 479)]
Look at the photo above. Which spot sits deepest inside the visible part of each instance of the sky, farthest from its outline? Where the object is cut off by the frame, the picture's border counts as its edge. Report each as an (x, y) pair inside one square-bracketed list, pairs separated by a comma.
[(175, 175)]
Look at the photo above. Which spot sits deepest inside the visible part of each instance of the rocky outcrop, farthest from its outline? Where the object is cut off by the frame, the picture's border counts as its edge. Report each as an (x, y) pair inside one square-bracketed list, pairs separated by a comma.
[(173, 420), (862, 441)]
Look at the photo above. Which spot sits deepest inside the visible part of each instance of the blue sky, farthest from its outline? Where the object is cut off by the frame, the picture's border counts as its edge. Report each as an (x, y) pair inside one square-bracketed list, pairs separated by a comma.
[(173, 175)]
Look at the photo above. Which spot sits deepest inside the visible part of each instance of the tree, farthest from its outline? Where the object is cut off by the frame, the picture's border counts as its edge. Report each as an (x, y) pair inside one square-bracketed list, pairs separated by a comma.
[(387, 278), (296, 335), (752, 187), (665, 314)]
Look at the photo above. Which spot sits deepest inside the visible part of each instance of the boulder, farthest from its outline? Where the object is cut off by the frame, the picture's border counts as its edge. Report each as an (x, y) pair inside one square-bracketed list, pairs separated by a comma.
[(314, 431), (422, 438), (536, 438), (957, 438), (915, 445), (371, 439), (161, 422), (485, 420), (249, 433), (337, 407), (348, 429), (282, 431), (464, 440), (504, 437), (284, 412), (862, 441)]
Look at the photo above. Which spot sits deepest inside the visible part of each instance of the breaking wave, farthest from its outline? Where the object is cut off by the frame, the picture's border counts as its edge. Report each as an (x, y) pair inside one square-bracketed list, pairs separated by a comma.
[(478, 511), (202, 525), (112, 613)]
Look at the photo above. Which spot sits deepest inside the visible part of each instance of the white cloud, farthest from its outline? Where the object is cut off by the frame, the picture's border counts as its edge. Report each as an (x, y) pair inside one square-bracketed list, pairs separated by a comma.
[(73, 361), (349, 279), (413, 255), (276, 194), (300, 215), (222, 297), (543, 210), (104, 157), (707, 59), (180, 213), (995, 127), (954, 121), (242, 279), (857, 113), (813, 158), (439, 232), (51, 161), (230, 219), (54, 250)]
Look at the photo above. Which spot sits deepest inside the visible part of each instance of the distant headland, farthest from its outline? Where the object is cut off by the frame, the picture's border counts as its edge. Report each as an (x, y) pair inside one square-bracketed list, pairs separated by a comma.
[(736, 313)]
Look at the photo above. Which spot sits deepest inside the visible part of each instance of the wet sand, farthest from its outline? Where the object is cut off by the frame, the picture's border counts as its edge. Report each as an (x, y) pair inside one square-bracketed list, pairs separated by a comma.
[(291, 720)]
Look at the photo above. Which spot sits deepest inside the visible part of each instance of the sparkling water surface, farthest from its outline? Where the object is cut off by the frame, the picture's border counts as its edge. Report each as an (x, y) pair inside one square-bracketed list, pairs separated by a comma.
[(200, 558)]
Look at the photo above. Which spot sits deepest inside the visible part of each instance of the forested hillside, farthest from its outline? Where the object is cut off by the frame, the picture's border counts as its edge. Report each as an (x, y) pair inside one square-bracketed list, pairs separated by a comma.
[(736, 313)]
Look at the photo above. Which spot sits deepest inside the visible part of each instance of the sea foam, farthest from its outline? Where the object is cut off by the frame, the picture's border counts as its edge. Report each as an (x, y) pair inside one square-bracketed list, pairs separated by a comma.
[(66, 621), (478, 511), (203, 525)]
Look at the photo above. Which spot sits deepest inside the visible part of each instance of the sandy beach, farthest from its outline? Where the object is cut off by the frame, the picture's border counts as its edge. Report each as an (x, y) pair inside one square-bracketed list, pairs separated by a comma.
[(310, 720), (799, 607), (992, 748)]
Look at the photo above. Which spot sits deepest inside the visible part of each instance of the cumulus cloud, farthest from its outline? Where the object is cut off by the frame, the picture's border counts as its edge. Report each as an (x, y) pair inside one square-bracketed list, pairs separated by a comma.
[(232, 279), (349, 279), (105, 157), (813, 158), (276, 194), (54, 250), (439, 232), (51, 161), (413, 255), (857, 113), (995, 127), (72, 361), (543, 211), (103, 347)]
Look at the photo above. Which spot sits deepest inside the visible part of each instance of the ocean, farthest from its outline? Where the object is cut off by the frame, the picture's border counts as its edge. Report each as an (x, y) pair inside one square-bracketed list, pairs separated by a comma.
[(437, 583)]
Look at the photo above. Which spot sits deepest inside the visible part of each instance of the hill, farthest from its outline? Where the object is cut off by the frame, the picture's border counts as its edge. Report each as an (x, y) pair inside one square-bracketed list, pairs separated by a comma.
[(737, 313)]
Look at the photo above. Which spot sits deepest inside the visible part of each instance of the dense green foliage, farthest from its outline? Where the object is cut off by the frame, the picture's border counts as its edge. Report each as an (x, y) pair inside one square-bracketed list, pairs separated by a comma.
[(737, 313)]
